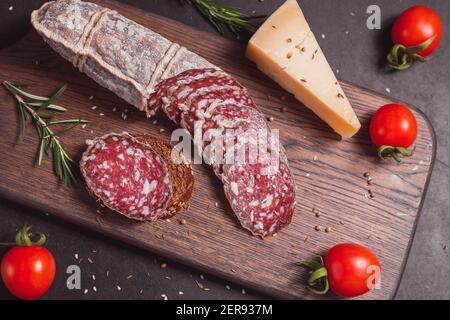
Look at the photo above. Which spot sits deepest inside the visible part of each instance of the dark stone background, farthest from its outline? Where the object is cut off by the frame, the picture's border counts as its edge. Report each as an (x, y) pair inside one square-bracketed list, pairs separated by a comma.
[(358, 57)]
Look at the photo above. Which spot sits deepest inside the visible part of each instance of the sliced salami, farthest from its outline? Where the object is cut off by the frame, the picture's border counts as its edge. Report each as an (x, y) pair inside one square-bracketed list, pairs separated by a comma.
[(203, 105), (161, 90), (260, 191), (127, 176), (175, 103)]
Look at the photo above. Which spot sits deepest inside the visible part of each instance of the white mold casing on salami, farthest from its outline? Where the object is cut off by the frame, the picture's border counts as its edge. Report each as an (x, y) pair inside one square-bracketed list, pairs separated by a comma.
[(117, 53)]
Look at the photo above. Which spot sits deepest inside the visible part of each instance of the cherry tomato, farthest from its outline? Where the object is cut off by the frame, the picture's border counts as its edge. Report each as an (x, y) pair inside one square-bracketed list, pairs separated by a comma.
[(417, 25), (350, 267), (28, 270), (393, 125), (350, 270)]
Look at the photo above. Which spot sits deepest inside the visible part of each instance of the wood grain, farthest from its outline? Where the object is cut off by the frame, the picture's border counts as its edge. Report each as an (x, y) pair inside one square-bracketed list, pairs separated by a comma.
[(328, 172)]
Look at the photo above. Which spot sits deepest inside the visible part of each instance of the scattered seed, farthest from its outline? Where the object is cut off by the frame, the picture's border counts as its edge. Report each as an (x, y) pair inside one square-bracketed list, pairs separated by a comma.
[(370, 182), (155, 121), (101, 114), (315, 158), (303, 80), (289, 55), (270, 119), (94, 288), (283, 98), (283, 109), (86, 291), (129, 276), (306, 239), (119, 288), (328, 229), (114, 109), (340, 96), (11, 8), (206, 289), (307, 175), (233, 270), (366, 174), (141, 291), (199, 284), (318, 228), (388, 90), (164, 297), (94, 107), (161, 130), (183, 222), (83, 125), (91, 98), (316, 212), (107, 273), (37, 62), (228, 287), (90, 260), (288, 40), (274, 27), (168, 278), (243, 291), (180, 293), (216, 204), (76, 256), (93, 277), (163, 265), (323, 36), (202, 277)]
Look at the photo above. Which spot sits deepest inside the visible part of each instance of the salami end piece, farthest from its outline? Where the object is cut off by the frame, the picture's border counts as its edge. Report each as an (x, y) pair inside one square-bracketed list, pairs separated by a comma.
[(133, 177)]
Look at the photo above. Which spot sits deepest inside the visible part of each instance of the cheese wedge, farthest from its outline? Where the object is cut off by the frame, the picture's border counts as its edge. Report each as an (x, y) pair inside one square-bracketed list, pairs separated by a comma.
[(285, 49)]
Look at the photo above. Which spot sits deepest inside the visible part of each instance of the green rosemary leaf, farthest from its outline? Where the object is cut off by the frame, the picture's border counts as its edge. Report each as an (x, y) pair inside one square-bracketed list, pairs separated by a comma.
[(41, 152), (53, 98), (25, 94), (52, 107)]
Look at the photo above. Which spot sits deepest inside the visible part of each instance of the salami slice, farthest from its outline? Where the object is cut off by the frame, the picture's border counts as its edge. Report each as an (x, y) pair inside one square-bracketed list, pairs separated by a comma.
[(176, 101), (127, 176), (260, 191), (203, 105), (161, 90)]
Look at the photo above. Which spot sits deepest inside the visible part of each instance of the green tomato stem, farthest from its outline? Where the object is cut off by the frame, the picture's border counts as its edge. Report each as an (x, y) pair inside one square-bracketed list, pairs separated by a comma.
[(396, 153), (318, 279), (24, 238), (401, 57)]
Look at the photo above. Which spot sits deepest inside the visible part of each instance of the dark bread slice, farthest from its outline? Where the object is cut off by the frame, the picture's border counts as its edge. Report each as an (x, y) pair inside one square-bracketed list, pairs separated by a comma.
[(181, 175)]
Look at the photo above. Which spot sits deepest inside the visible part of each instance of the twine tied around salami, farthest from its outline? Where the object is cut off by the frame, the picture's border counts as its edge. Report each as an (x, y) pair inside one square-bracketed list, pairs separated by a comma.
[(133, 175)]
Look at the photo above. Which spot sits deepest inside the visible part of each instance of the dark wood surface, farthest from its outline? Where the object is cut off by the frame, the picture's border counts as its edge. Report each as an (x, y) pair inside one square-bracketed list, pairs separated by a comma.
[(212, 239)]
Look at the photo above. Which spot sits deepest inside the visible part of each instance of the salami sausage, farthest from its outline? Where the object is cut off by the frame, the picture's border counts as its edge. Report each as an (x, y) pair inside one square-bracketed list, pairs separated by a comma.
[(153, 74), (118, 53)]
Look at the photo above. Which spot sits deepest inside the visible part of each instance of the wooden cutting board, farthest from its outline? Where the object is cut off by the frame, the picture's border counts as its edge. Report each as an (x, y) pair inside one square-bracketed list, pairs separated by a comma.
[(328, 172)]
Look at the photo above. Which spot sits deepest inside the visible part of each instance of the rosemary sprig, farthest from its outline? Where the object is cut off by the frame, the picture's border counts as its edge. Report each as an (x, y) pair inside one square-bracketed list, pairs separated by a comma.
[(30, 106), (220, 16)]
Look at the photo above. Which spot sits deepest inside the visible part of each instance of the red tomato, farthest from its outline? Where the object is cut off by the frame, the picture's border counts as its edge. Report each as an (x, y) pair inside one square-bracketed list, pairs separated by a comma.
[(393, 125), (28, 271), (417, 25), (353, 270)]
